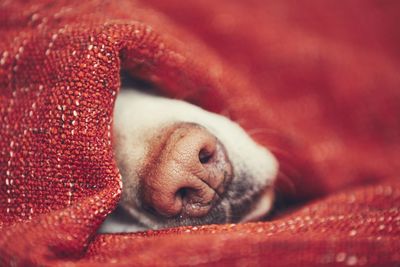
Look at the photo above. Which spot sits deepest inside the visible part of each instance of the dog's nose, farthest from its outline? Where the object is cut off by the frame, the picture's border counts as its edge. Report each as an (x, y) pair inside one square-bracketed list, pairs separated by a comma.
[(187, 173)]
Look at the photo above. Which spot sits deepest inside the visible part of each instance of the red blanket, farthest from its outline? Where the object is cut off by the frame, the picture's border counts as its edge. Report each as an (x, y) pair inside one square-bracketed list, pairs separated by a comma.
[(315, 81)]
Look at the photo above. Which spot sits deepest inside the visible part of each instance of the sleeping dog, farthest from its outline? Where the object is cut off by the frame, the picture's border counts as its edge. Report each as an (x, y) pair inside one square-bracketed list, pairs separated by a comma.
[(182, 165)]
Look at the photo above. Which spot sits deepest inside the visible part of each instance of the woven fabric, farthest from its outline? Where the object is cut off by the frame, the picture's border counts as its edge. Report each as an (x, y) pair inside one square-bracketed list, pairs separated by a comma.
[(317, 82)]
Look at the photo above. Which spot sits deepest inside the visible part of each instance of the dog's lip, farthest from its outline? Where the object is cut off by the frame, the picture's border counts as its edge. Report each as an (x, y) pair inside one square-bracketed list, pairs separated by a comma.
[(199, 208), (261, 206)]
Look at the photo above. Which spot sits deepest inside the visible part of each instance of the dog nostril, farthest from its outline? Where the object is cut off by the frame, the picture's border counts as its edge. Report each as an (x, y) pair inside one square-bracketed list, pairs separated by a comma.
[(182, 193), (205, 156), (188, 195)]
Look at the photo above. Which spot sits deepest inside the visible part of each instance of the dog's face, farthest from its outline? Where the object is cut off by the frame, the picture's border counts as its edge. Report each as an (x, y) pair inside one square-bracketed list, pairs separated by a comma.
[(182, 165)]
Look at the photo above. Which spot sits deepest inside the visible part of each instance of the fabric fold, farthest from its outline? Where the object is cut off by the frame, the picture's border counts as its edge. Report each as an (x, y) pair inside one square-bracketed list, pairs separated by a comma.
[(317, 86)]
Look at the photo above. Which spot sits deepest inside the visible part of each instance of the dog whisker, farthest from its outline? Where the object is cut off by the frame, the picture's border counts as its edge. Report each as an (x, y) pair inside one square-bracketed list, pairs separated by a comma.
[(262, 131), (287, 181)]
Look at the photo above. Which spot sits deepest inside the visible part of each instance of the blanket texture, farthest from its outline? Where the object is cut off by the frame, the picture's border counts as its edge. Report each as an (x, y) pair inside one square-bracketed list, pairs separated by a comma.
[(317, 82)]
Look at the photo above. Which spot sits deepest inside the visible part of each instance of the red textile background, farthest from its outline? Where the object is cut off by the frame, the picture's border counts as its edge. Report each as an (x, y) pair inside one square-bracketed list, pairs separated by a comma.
[(315, 81)]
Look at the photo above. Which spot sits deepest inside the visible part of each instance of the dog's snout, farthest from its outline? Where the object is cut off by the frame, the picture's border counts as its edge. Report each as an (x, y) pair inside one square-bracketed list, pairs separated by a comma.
[(187, 174)]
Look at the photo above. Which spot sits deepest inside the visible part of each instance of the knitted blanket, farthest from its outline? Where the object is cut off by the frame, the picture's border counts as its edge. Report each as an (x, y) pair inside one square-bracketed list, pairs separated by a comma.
[(317, 82)]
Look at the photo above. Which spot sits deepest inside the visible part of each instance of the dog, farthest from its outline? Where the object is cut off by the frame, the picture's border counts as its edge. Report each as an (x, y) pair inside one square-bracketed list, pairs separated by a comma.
[(182, 165)]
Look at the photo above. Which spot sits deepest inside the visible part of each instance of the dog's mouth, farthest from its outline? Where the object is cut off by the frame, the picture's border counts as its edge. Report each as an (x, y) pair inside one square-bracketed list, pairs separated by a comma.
[(225, 209)]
